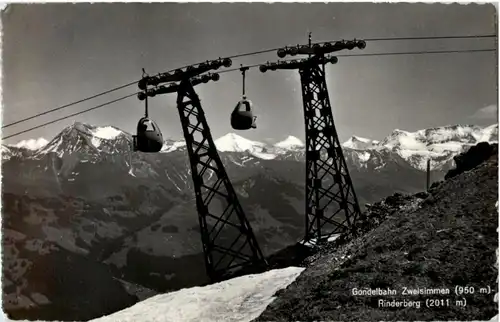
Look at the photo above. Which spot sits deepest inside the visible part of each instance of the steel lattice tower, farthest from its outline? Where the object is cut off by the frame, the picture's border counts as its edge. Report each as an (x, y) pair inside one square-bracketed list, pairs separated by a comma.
[(227, 237), (331, 201), (228, 240)]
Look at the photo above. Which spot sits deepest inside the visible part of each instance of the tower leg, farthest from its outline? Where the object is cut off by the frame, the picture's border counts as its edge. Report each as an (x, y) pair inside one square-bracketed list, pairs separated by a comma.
[(227, 238), (331, 203)]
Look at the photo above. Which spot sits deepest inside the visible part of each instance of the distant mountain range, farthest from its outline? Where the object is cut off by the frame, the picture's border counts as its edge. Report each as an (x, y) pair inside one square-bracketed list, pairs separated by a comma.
[(438, 144), (82, 203)]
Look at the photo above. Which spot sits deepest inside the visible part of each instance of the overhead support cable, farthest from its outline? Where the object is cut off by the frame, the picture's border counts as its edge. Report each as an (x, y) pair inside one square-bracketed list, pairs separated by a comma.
[(226, 71), (245, 55), (68, 116)]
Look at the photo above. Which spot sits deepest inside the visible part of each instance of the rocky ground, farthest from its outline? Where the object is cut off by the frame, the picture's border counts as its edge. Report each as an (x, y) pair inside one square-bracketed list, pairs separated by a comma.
[(441, 239)]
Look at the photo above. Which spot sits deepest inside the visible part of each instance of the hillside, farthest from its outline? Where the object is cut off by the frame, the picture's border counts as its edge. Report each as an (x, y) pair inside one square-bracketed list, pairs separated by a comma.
[(413, 241), (441, 240)]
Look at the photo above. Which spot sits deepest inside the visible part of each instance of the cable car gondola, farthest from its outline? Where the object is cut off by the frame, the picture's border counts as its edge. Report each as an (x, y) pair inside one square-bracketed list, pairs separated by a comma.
[(149, 137), (242, 117)]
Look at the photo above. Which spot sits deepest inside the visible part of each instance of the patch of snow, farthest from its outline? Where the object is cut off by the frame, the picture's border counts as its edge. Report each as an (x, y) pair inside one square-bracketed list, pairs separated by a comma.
[(313, 241), (364, 140), (447, 133), (95, 141), (245, 159), (179, 144), (234, 161), (264, 156), (239, 299), (31, 144), (211, 173), (358, 143), (451, 146), (171, 180), (173, 147), (410, 142), (408, 153), (4, 149), (332, 238), (365, 156), (106, 132)]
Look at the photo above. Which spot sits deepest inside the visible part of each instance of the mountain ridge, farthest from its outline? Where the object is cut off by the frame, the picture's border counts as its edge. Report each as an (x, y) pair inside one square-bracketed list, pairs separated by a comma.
[(438, 144)]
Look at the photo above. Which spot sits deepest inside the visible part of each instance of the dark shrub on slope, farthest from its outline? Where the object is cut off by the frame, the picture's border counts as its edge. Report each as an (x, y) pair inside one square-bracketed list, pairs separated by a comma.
[(472, 158)]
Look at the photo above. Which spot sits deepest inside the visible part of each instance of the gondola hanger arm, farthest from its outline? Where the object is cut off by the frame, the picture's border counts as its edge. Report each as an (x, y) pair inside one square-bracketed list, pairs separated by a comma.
[(243, 70)]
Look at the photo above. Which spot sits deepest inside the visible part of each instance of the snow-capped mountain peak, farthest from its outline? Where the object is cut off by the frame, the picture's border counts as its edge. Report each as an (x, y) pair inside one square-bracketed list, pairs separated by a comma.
[(84, 137), (404, 140), (418, 140), (359, 143), (289, 143), (232, 142), (438, 144)]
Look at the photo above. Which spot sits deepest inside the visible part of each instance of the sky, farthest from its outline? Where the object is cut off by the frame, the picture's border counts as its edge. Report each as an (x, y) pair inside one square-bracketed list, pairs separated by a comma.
[(55, 54)]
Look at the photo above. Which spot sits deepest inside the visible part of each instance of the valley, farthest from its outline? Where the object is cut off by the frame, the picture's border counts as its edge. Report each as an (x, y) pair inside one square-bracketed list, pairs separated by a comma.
[(83, 205)]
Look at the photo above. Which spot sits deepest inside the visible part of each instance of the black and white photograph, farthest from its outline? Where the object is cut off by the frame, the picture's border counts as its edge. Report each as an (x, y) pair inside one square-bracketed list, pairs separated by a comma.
[(249, 161)]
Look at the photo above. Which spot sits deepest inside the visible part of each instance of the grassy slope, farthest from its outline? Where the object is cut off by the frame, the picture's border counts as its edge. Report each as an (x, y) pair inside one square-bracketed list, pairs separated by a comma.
[(449, 239)]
